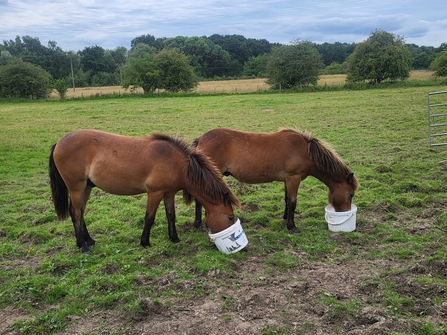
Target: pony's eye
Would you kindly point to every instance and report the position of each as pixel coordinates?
(351, 195)
(230, 218)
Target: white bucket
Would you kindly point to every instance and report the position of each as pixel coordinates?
(341, 221)
(230, 240)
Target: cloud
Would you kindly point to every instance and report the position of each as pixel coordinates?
(76, 24)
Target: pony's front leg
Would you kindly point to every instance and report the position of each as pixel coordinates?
(148, 222)
(292, 185)
(198, 216)
(170, 214)
(153, 200)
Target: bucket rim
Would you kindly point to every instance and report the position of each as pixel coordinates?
(353, 210)
(234, 226)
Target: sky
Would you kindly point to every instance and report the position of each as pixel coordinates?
(76, 24)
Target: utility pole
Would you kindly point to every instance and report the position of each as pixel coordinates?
(72, 76)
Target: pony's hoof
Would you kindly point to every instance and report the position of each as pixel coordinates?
(85, 249)
(175, 240)
(90, 242)
(294, 231)
(145, 245)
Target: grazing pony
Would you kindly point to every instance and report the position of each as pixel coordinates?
(287, 155)
(158, 165)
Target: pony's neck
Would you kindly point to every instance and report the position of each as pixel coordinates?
(205, 201)
(197, 193)
(327, 179)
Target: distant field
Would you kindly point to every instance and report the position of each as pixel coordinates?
(228, 86)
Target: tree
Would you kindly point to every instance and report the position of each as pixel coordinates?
(255, 66)
(19, 79)
(50, 58)
(217, 63)
(150, 40)
(141, 72)
(100, 66)
(382, 56)
(119, 55)
(335, 52)
(93, 59)
(240, 50)
(176, 73)
(440, 65)
(208, 59)
(442, 47)
(422, 61)
(297, 64)
(61, 87)
(168, 69)
(140, 49)
(4, 57)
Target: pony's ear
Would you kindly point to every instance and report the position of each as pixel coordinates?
(231, 199)
(350, 178)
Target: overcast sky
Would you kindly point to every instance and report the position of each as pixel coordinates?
(76, 24)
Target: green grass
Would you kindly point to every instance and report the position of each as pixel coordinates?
(381, 134)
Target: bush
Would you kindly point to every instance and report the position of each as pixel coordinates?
(440, 65)
(19, 79)
(298, 64)
(255, 67)
(176, 72)
(382, 56)
(336, 68)
(61, 87)
(168, 69)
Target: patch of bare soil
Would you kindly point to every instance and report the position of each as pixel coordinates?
(311, 298)
(9, 315)
(250, 302)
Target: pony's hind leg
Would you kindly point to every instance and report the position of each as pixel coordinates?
(198, 216)
(170, 214)
(88, 240)
(77, 216)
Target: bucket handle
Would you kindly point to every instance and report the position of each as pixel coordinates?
(211, 238)
(350, 215)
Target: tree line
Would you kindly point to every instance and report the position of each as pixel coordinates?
(156, 62)
(216, 56)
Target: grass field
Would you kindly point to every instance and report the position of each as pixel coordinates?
(388, 276)
(228, 86)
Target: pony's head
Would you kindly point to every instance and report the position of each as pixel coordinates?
(341, 194)
(211, 191)
(340, 179)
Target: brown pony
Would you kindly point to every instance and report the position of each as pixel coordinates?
(158, 165)
(287, 155)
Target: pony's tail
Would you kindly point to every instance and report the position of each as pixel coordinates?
(59, 191)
